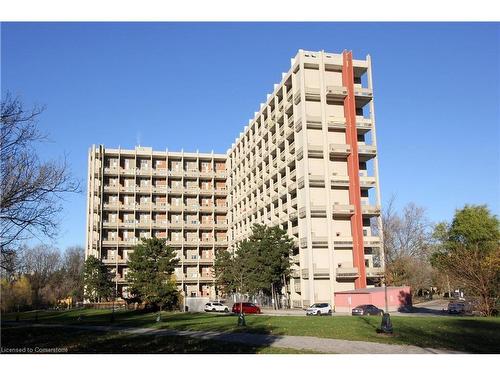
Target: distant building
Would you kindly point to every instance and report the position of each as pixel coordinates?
(307, 162)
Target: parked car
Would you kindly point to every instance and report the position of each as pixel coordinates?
(456, 307)
(367, 310)
(319, 309)
(216, 306)
(248, 308)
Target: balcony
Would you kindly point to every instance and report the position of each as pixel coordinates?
(336, 92)
(206, 225)
(176, 189)
(347, 273)
(321, 241)
(220, 208)
(191, 190)
(128, 206)
(296, 287)
(315, 151)
(160, 206)
(128, 242)
(128, 171)
(367, 182)
(159, 224)
(143, 189)
(371, 241)
(160, 172)
(144, 224)
(206, 191)
(160, 189)
(176, 172)
(110, 224)
(362, 95)
(295, 273)
(312, 93)
(363, 124)
(143, 206)
(321, 273)
(110, 206)
(302, 212)
(318, 210)
(207, 261)
(339, 149)
(111, 170)
(313, 122)
(339, 181)
(343, 210)
(316, 180)
(303, 242)
(342, 242)
(370, 211)
(176, 207)
(127, 189)
(366, 152)
(336, 123)
(114, 260)
(144, 171)
(129, 223)
(374, 272)
(111, 188)
(191, 207)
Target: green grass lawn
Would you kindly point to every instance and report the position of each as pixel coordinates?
(76, 340)
(468, 334)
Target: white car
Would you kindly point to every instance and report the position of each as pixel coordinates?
(319, 309)
(216, 306)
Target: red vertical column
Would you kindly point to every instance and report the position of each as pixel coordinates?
(353, 170)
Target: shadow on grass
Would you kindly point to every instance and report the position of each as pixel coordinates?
(81, 340)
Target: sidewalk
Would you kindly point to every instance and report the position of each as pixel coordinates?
(316, 344)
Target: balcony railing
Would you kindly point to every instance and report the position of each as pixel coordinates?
(374, 272)
(343, 209)
(336, 123)
(336, 92)
(347, 272)
(339, 180)
(369, 210)
(340, 149)
(371, 241)
(342, 242)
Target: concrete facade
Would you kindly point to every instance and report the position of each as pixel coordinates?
(307, 162)
(141, 193)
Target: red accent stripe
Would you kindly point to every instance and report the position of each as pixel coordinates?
(353, 170)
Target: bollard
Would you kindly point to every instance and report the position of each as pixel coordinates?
(241, 320)
(386, 325)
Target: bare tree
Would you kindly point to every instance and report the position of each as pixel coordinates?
(407, 234)
(31, 190)
(407, 246)
(39, 264)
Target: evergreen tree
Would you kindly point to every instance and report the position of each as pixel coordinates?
(98, 280)
(260, 263)
(150, 275)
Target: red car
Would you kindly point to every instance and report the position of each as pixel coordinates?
(248, 308)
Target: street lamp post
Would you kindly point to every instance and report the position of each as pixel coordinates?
(386, 325)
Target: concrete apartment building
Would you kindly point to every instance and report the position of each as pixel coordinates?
(141, 193)
(307, 162)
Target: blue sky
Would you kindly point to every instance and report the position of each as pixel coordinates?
(436, 87)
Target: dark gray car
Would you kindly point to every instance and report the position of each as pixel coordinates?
(367, 310)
